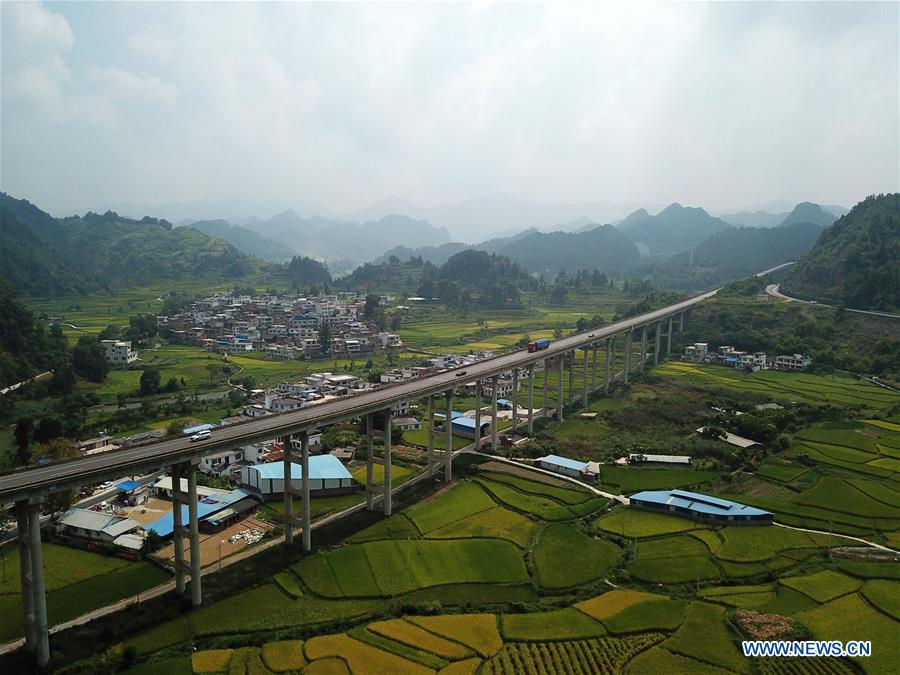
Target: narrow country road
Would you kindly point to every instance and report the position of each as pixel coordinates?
(775, 291)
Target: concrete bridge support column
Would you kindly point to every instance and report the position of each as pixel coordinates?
(546, 405)
(38, 625)
(304, 487)
(657, 331)
(387, 463)
(370, 464)
(610, 353)
(530, 399)
(669, 338)
(515, 399)
(584, 392)
(288, 493)
(495, 439)
(448, 439)
(559, 392)
(478, 414)
(643, 348)
(194, 536)
(26, 589)
(178, 499)
(571, 398)
(431, 435)
(594, 369)
(681, 322)
(628, 337)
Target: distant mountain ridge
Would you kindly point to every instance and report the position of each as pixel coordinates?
(673, 230)
(336, 240)
(245, 240)
(856, 260)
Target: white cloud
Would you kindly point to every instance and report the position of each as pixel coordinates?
(343, 104)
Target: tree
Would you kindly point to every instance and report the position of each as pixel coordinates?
(22, 433)
(395, 322)
(325, 337)
(141, 327)
(89, 359)
(48, 428)
(149, 381)
(559, 293)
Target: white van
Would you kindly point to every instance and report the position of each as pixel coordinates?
(200, 435)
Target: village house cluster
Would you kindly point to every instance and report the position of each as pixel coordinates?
(726, 355)
(284, 327)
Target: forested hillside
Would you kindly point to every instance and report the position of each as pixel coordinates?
(603, 248)
(857, 260)
(25, 346)
(673, 230)
(32, 265)
(245, 240)
(74, 254)
(736, 253)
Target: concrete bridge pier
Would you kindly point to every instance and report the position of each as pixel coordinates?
(656, 332)
(628, 338)
(584, 393)
(546, 404)
(431, 435)
(559, 392)
(610, 354)
(515, 400)
(478, 414)
(304, 487)
(448, 439)
(669, 337)
(570, 399)
(180, 498)
(387, 463)
(530, 399)
(370, 464)
(594, 368)
(495, 440)
(643, 348)
(31, 574)
(288, 493)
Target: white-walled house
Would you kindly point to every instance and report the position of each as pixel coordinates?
(118, 352)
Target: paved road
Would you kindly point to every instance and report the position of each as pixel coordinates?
(111, 465)
(774, 269)
(775, 291)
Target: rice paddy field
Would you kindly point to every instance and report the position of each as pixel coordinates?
(784, 386)
(76, 582)
(503, 541)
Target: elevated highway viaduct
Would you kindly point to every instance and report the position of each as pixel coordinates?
(30, 487)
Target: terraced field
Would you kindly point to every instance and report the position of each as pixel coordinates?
(499, 540)
(781, 386)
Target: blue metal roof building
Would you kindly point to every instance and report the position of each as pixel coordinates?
(206, 507)
(465, 426)
(326, 476)
(563, 465)
(700, 507)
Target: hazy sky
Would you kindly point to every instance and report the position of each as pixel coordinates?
(717, 105)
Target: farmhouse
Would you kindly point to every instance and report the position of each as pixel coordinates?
(566, 466)
(641, 458)
(118, 352)
(210, 508)
(738, 441)
(699, 507)
(94, 525)
(327, 476)
(793, 361)
(465, 426)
